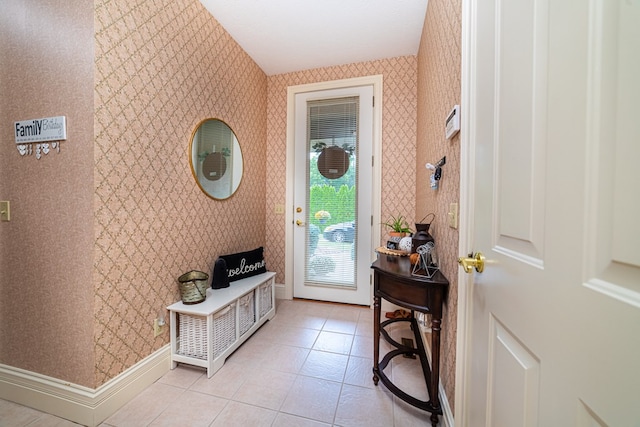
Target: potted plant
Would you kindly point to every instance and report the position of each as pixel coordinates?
(398, 225)
(322, 216)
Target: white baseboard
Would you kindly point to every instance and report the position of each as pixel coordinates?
(447, 414)
(77, 403)
(280, 291)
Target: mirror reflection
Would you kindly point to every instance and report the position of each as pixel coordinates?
(216, 159)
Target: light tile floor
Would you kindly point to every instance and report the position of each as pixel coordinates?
(309, 366)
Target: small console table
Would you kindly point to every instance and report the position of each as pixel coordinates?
(394, 282)
(205, 334)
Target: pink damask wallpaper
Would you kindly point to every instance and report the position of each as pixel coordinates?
(438, 91)
(161, 68)
(398, 140)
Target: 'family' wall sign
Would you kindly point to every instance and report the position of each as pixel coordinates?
(41, 132)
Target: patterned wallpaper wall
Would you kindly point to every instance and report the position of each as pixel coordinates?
(438, 91)
(398, 141)
(46, 295)
(160, 68)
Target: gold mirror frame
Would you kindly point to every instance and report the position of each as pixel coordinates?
(216, 159)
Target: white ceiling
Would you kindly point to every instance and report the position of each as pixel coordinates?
(292, 35)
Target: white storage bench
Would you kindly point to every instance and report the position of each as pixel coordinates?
(205, 334)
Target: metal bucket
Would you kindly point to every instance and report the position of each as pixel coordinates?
(193, 287)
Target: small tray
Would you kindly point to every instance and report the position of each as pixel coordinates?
(396, 252)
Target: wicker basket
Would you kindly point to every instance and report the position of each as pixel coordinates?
(193, 287)
(224, 329)
(247, 312)
(192, 338)
(266, 300)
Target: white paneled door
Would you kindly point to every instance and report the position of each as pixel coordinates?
(551, 138)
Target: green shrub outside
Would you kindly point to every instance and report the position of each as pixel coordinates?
(340, 203)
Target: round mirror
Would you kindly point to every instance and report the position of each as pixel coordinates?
(216, 159)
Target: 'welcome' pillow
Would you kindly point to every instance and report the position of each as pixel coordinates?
(245, 264)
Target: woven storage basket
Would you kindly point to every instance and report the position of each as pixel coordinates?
(224, 329)
(266, 302)
(193, 340)
(247, 312)
(193, 287)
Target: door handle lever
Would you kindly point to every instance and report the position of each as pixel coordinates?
(473, 261)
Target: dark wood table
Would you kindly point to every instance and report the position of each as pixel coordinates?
(394, 282)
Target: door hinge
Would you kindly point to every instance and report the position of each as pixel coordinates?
(372, 161)
(373, 101)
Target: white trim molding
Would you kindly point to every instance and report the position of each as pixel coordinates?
(281, 292)
(77, 403)
(447, 415)
(467, 172)
(377, 82)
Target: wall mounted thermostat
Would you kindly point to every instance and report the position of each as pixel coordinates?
(452, 124)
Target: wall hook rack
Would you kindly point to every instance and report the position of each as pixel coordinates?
(437, 172)
(40, 149)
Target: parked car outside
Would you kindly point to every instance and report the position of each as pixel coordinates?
(341, 232)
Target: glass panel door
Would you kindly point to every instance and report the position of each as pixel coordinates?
(333, 196)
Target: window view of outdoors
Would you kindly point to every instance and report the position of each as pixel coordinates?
(332, 177)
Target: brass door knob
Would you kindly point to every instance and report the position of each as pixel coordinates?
(473, 261)
(299, 223)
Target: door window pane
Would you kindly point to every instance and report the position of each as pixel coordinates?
(332, 142)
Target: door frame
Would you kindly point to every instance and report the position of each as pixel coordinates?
(466, 224)
(292, 91)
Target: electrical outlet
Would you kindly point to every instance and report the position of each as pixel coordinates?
(158, 327)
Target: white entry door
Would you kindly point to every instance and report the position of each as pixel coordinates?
(333, 195)
(550, 192)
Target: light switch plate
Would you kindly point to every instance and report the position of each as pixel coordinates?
(453, 215)
(5, 211)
